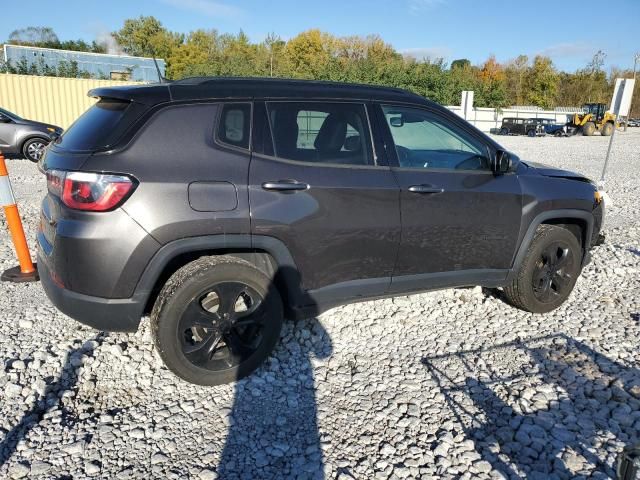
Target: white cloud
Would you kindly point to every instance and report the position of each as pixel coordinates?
(417, 6)
(208, 8)
(427, 52)
(569, 49)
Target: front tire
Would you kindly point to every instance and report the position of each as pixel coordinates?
(549, 271)
(589, 129)
(504, 131)
(531, 133)
(607, 129)
(216, 320)
(34, 148)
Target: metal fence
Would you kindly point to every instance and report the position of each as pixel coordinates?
(49, 99)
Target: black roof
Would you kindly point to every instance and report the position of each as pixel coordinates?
(241, 87)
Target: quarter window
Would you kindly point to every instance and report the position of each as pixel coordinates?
(327, 133)
(234, 126)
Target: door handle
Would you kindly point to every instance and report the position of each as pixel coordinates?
(425, 189)
(285, 185)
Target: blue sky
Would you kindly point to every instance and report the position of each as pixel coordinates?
(569, 32)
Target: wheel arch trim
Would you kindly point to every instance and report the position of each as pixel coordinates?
(543, 217)
(168, 252)
(31, 136)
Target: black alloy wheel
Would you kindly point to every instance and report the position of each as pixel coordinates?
(552, 274)
(216, 320)
(222, 326)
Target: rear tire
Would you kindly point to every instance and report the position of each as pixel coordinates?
(216, 320)
(531, 133)
(34, 148)
(588, 129)
(548, 272)
(607, 129)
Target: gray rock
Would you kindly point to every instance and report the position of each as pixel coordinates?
(206, 474)
(40, 468)
(18, 470)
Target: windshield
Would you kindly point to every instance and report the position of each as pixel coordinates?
(9, 114)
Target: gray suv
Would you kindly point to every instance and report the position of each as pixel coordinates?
(221, 206)
(27, 138)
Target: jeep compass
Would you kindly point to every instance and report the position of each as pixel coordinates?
(221, 206)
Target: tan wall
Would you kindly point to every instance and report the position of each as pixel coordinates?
(49, 99)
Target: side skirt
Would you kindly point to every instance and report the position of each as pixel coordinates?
(373, 289)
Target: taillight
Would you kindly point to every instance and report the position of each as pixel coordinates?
(95, 192)
(55, 180)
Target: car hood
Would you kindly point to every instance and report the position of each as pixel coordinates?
(41, 125)
(548, 171)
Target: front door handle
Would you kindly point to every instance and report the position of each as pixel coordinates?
(425, 189)
(285, 185)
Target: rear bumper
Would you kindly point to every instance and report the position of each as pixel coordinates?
(105, 314)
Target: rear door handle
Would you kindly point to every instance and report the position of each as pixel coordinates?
(425, 189)
(285, 185)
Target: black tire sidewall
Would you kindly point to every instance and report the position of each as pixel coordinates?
(525, 285)
(166, 320)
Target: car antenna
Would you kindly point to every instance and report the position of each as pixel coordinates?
(161, 79)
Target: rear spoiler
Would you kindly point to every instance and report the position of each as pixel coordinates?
(145, 94)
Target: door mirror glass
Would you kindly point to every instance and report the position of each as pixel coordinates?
(4, 119)
(396, 121)
(502, 163)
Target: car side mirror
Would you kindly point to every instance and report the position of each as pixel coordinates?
(396, 121)
(502, 162)
(4, 119)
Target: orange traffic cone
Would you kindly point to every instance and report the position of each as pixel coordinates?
(26, 271)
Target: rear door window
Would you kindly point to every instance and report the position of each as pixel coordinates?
(97, 127)
(319, 132)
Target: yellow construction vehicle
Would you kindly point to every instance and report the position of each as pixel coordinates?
(594, 118)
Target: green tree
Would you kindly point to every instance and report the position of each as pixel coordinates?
(200, 48)
(542, 83)
(515, 74)
(147, 37)
(275, 47)
(309, 54)
(460, 63)
(34, 36)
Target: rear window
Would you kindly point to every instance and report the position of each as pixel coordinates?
(96, 128)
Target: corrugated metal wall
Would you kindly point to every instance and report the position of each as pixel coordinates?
(48, 99)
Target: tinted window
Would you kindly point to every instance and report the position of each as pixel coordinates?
(9, 114)
(425, 140)
(234, 127)
(321, 132)
(94, 127)
(261, 134)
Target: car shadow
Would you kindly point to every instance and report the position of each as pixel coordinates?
(273, 423)
(50, 399)
(541, 414)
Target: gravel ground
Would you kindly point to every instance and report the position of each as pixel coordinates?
(446, 384)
